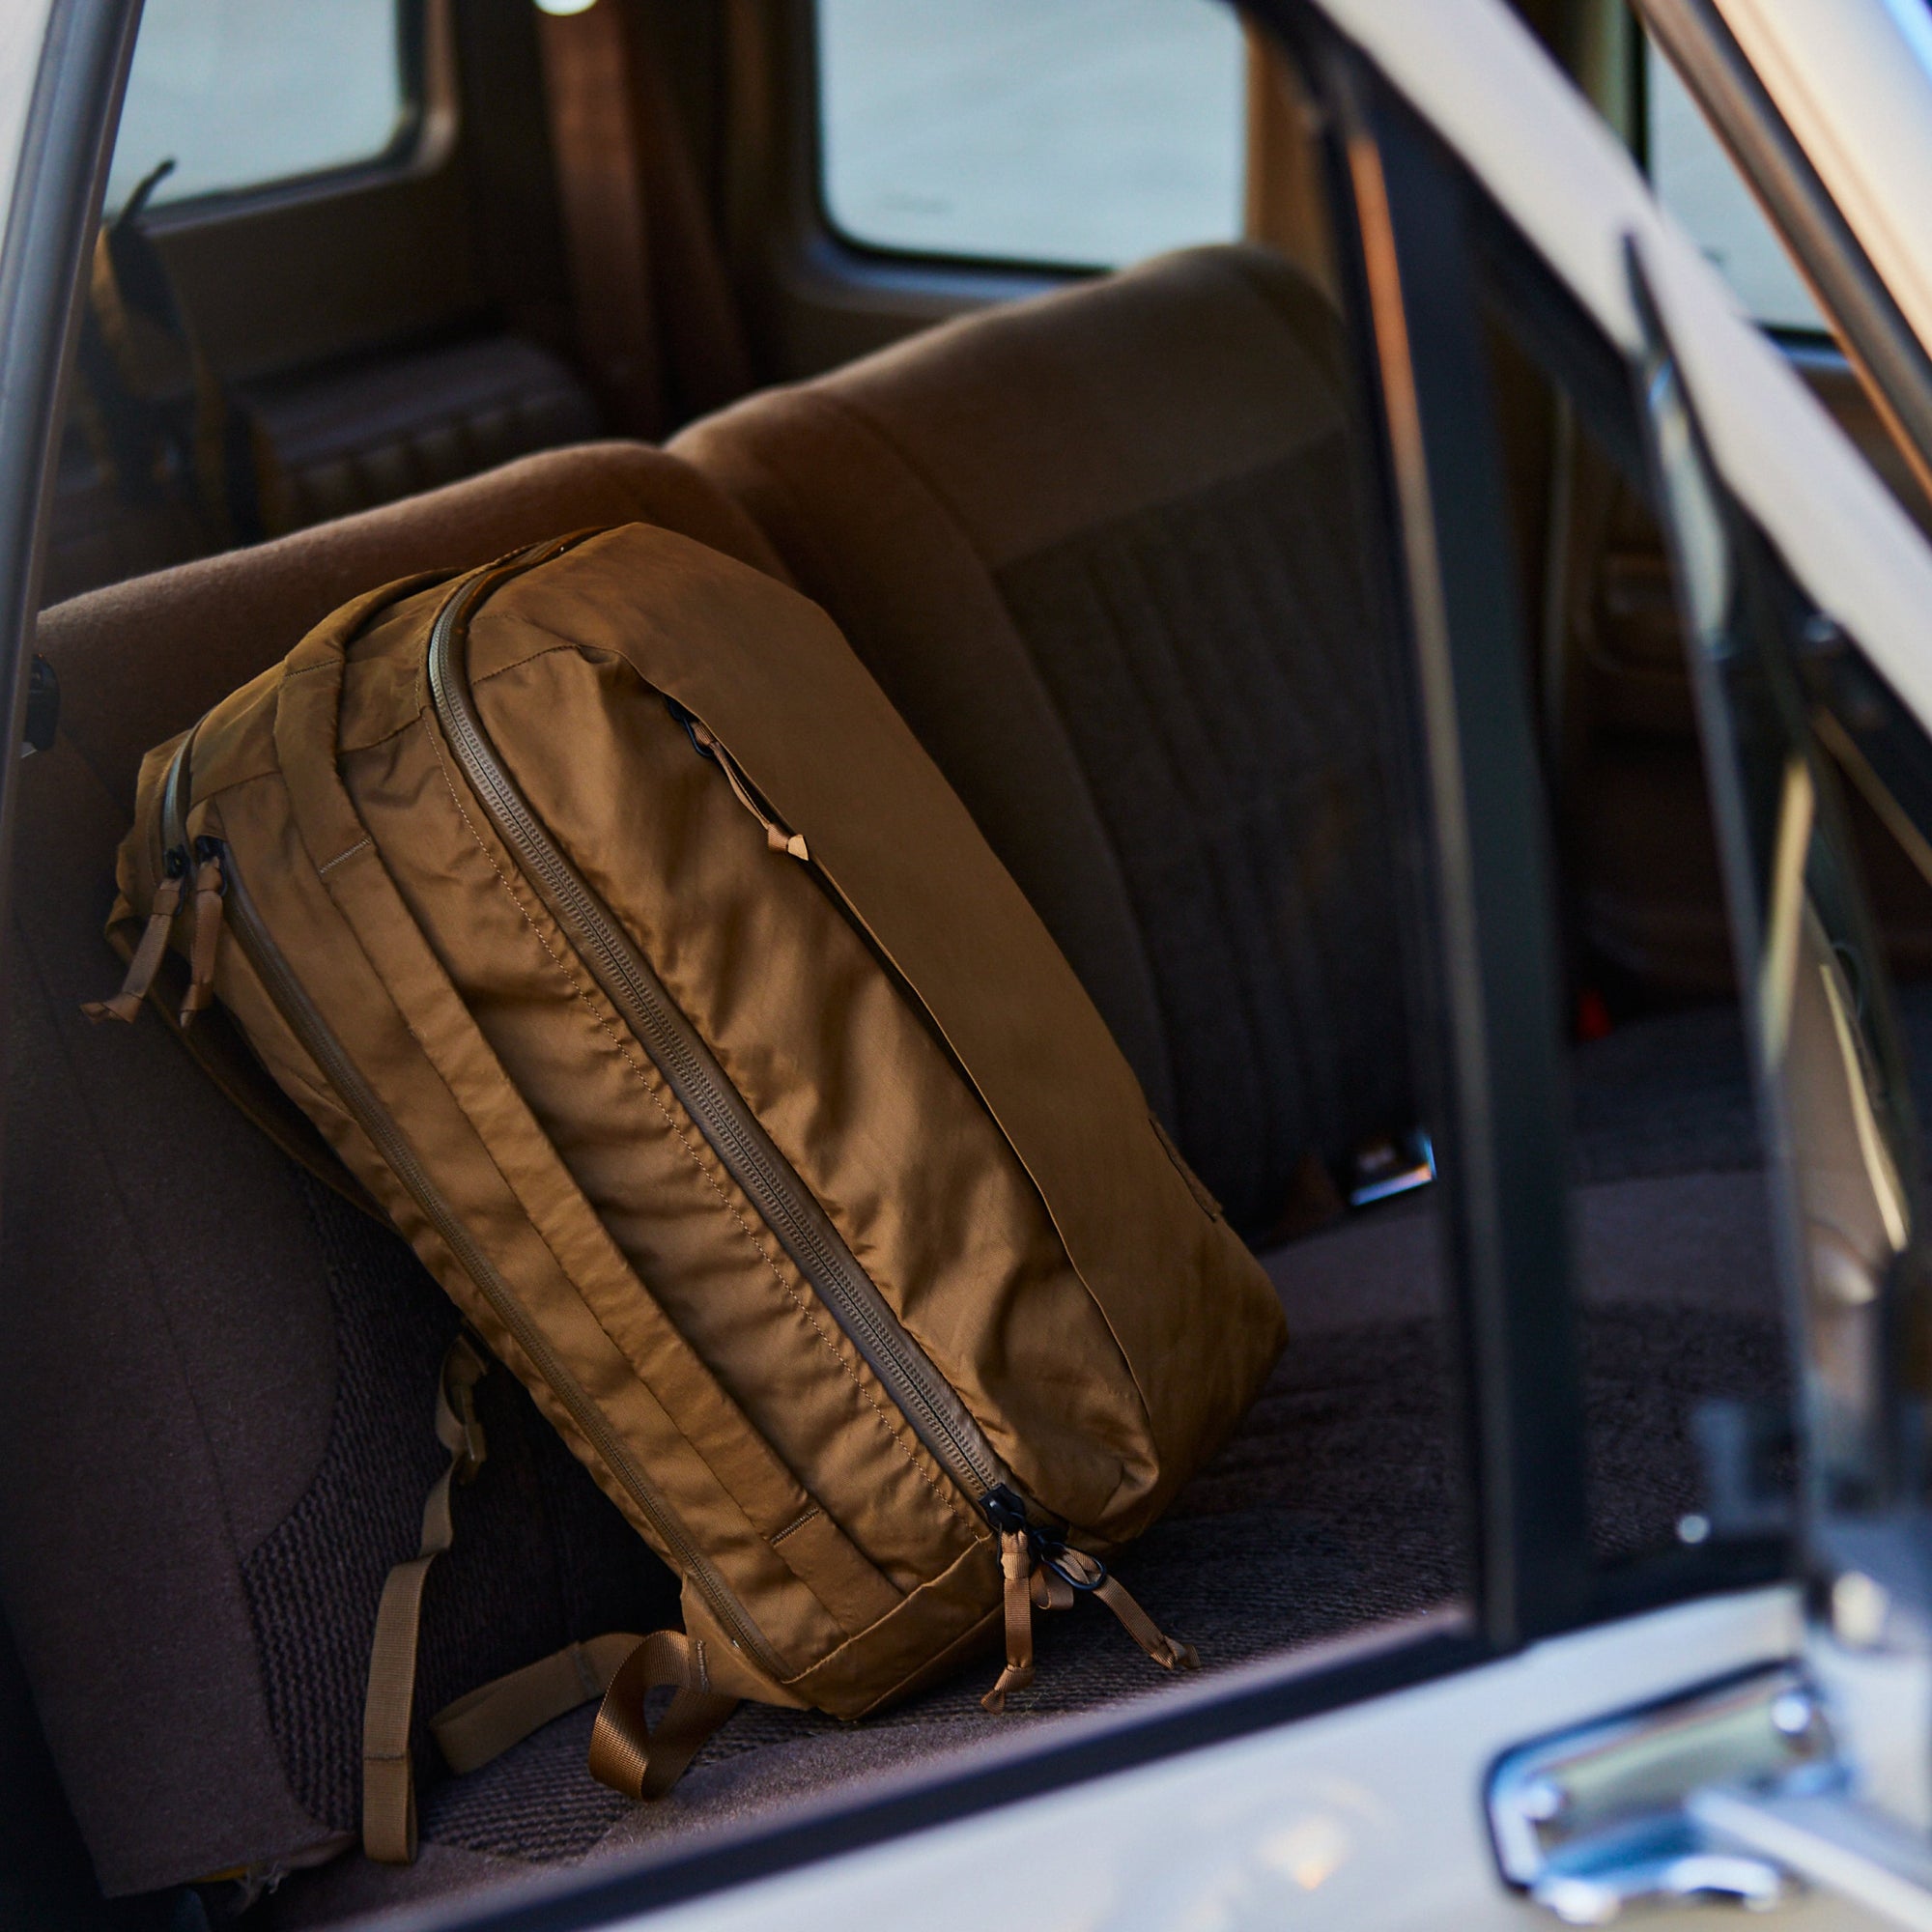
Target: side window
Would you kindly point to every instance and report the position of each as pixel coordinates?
(1695, 179)
(1048, 132)
(241, 93)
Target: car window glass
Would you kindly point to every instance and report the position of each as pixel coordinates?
(1082, 133)
(1700, 183)
(1681, 1325)
(237, 94)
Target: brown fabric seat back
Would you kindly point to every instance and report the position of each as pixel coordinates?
(216, 1421)
(141, 659)
(1099, 550)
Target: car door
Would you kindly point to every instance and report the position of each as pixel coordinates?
(1570, 1735)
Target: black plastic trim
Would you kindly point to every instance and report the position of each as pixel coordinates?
(49, 230)
(866, 255)
(1504, 1153)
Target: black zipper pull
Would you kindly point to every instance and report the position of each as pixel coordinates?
(162, 912)
(210, 892)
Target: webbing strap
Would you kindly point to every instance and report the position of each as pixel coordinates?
(1016, 1566)
(388, 1781)
(1056, 1585)
(493, 1717)
(146, 959)
(625, 1752)
(1169, 1652)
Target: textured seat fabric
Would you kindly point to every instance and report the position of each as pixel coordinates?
(216, 1419)
(1099, 550)
(376, 431)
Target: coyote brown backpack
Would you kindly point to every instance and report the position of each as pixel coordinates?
(627, 949)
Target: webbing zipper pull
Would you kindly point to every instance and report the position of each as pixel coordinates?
(778, 839)
(165, 909)
(1043, 1570)
(210, 892)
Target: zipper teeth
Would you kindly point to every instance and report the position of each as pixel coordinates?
(740, 1141)
(291, 1001)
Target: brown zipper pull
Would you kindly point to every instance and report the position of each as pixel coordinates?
(1087, 1574)
(211, 889)
(1044, 1571)
(1016, 1565)
(777, 838)
(125, 1004)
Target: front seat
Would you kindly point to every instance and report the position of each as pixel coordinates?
(1100, 550)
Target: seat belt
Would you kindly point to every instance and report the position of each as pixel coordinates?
(705, 359)
(658, 325)
(161, 421)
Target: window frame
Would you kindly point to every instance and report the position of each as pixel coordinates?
(883, 253)
(426, 133)
(1639, 46)
(1859, 310)
(827, 301)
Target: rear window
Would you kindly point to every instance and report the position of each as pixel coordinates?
(1085, 134)
(242, 93)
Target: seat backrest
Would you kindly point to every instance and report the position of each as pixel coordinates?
(1100, 551)
(216, 1378)
(139, 660)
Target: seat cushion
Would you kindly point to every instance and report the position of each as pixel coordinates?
(1099, 550)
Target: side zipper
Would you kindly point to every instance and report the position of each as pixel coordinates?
(210, 890)
(930, 1405)
(1040, 1568)
(778, 838)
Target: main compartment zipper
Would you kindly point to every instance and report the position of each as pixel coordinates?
(366, 1109)
(931, 1406)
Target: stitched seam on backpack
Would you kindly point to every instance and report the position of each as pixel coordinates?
(324, 870)
(895, 1432)
(797, 1523)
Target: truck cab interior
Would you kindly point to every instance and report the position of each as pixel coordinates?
(1087, 502)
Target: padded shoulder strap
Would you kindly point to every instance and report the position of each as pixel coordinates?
(622, 1670)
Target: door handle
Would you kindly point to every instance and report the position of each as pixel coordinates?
(1734, 1793)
